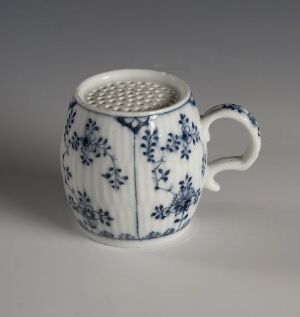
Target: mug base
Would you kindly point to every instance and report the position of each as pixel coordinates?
(156, 242)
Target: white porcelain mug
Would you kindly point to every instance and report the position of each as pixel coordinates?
(133, 173)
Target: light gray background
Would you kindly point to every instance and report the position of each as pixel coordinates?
(244, 256)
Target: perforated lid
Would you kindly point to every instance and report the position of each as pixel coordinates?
(132, 96)
(130, 91)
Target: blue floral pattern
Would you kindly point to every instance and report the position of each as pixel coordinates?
(180, 204)
(81, 204)
(128, 236)
(241, 109)
(186, 195)
(71, 114)
(70, 119)
(156, 234)
(91, 145)
(189, 136)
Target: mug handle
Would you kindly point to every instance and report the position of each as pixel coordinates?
(241, 163)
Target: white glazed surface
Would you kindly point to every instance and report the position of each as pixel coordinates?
(134, 178)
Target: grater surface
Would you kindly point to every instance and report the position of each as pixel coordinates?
(131, 96)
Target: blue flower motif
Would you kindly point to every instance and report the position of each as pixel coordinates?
(185, 197)
(181, 202)
(81, 203)
(173, 143)
(90, 145)
(189, 134)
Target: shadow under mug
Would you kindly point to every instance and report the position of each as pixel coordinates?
(135, 177)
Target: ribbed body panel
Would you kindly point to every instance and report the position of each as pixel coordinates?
(133, 178)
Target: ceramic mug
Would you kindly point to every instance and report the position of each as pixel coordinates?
(134, 176)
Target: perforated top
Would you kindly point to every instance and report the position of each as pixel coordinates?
(131, 96)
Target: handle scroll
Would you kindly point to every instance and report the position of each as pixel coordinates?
(243, 162)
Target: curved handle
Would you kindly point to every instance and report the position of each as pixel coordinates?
(243, 162)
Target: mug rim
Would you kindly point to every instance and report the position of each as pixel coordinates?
(91, 82)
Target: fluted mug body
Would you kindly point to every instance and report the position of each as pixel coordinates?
(134, 176)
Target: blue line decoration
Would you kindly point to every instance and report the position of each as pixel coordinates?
(133, 123)
(241, 109)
